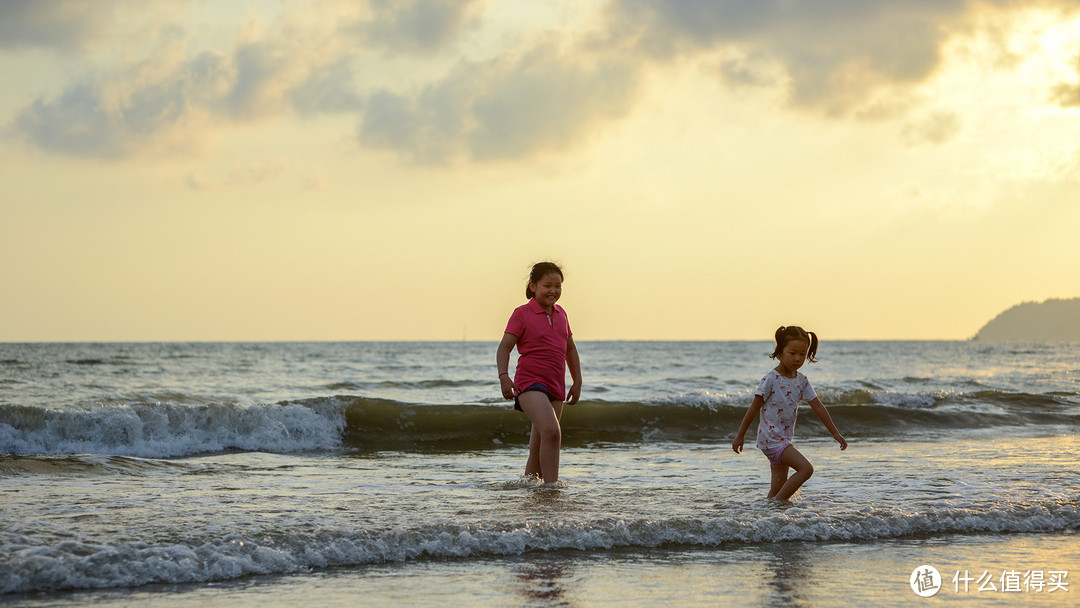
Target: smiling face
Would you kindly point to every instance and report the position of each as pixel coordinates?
(792, 356)
(548, 290)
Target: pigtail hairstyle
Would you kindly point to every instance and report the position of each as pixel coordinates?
(538, 271)
(811, 354)
(794, 332)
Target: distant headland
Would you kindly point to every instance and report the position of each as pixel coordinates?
(1054, 319)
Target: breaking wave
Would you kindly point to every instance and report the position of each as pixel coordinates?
(83, 564)
(166, 430)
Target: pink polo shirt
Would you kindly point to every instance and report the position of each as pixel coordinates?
(541, 346)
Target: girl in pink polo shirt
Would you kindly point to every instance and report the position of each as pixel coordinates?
(777, 399)
(545, 344)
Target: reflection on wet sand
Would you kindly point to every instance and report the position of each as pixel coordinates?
(792, 574)
(543, 577)
(543, 582)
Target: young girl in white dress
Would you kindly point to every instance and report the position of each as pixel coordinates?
(777, 401)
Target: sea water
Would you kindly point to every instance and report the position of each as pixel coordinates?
(389, 473)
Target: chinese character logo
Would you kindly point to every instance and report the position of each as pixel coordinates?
(925, 581)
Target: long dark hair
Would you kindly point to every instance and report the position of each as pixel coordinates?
(794, 332)
(538, 271)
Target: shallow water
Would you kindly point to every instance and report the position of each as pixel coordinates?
(194, 473)
(769, 575)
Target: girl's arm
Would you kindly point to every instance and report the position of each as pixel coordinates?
(574, 362)
(819, 409)
(751, 413)
(502, 362)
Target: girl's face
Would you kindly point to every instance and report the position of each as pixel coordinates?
(548, 290)
(793, 356)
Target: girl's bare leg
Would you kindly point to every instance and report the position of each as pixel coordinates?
(803, 470)
(532, 466)
(545, 440)
(779, 476)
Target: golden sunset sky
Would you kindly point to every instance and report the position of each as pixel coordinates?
(390, 169)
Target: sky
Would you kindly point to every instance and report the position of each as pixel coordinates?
(391, 169)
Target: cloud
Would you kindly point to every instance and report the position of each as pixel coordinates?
(1067, 94)
(837, 55)
(256, 174)
(755, 69)
(417, 26)
(195, 182)
(166, 100)
(61, 24)
(76, 123)
(258, 69)
(246, 176)
(330, 89)
(509, 108)
(555, 91)
(171, 98)
(115, 118)
(73, 25)
(936, 128)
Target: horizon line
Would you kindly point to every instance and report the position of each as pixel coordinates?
(488, 341)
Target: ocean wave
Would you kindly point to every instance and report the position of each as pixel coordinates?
(361, 424)
(83, 564)
(387, 425)
(166, 430)
(91, 464)
(420, 385)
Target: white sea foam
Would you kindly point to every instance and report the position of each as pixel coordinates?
(164, 430)
(73, 564)
(920, 399)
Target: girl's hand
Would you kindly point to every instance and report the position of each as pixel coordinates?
(574, 394)
(737, 444)
(507, 386)
(840, 439)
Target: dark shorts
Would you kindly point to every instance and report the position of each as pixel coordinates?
(535, 386)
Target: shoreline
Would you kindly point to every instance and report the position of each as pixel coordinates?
(774, 574)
